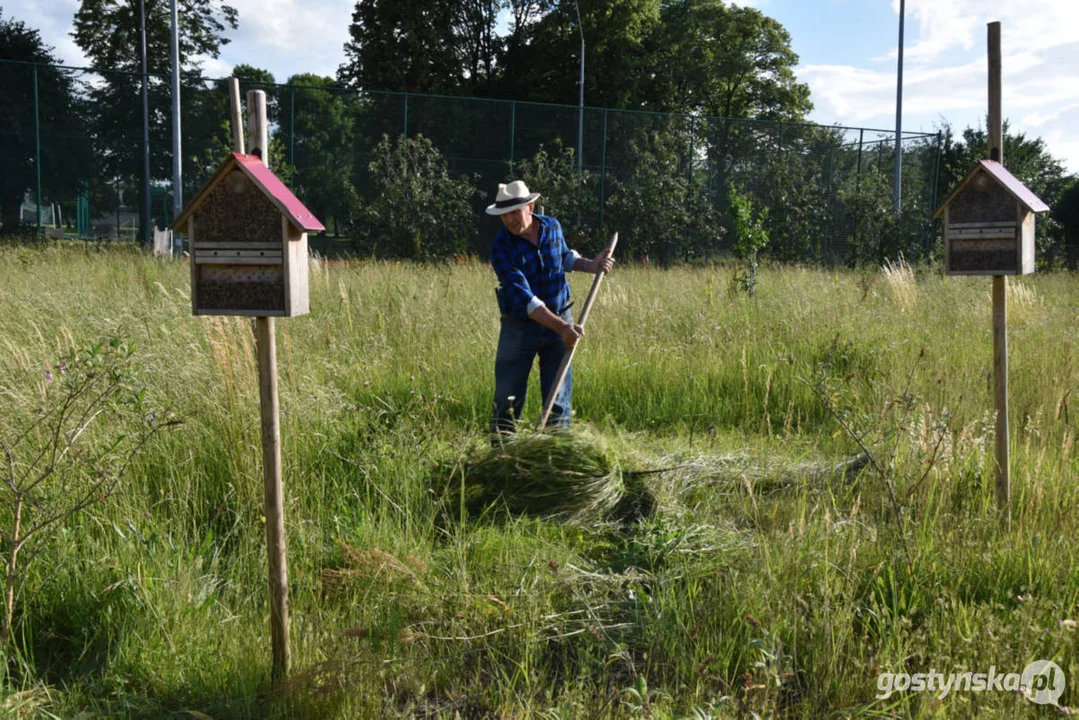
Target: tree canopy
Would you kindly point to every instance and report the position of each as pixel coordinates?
(108, 32)
(698, 56)
(402, 45)
(59, 118)
(710, 58)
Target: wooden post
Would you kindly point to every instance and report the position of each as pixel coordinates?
(548, 403)
(996, 126)
(266, 343)
(1000, 288)
(234, 115)
(257, 128)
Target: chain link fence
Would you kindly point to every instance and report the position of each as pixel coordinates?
(71, 143)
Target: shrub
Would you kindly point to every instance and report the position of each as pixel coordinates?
(65, 447)
(418, 211)
(554, 174)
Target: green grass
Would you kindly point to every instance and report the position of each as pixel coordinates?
(765, 582)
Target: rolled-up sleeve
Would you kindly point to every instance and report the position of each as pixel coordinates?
(516, 293)
(569, 257)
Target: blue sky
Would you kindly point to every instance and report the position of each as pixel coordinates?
(847, 51)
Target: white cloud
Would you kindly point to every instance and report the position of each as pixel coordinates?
(54, 20)
(215, 67)
(945, 73)
(290, 36)
(942, 26)
(283, 36)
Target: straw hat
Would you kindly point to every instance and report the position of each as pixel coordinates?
(510, 197)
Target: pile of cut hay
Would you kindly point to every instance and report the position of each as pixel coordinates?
(560, 474)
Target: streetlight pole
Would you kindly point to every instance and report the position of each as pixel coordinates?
(145, 126)
(897, 194)
(580, 112)
(177, 166)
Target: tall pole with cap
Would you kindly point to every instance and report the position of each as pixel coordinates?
(897, 190)
(1000, 287)
(266, 346)
(580, 119)
(177, 165)
(266, 342)
(145, 125)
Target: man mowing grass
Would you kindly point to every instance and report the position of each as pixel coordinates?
(531, 259)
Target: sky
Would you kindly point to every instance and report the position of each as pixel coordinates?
(847, 55)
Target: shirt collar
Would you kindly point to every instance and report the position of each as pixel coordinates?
(543, 227)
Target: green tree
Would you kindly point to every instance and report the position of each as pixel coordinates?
(479, 44)
(796, 182)
(208, 135)
(108, 32)
(321, 130)
(724, 61)
(660, 215)
(64, 159)
(554, 174)
(417, 210)
(750, 235)
(402, 45)
(875, 232)
(710, 58)
(1066, 213)
(542, 60)
(435, 46)
(65, 448)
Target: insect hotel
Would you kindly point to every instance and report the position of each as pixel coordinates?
(989, 224)
(248, 238)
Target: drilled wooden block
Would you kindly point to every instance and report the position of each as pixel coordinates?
(241, 287)
(237, 211)
(982, 201)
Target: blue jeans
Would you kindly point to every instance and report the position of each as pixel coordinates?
(519, 342)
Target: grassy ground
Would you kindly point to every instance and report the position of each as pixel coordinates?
(765, 582)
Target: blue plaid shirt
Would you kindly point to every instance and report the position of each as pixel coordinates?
(531, 275)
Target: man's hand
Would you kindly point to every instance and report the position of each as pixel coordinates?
(601, 263)
(571, 333)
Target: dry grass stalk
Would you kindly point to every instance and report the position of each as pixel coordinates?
(900, 279)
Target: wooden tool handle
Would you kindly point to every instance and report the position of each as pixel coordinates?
(563, 368)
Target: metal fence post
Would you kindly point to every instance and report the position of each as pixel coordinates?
(603, 171)
(37, 149)
(292, 133)
(858, 177)
(405, 126)
(936, 174)
(692, 136)
(831, 171)
(513, 129)
(930, 237)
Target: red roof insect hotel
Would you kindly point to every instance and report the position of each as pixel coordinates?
(248, 240)
(989, 224)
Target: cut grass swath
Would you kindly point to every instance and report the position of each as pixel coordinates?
(568, 474)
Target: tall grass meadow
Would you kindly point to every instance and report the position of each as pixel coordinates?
(765, 584)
